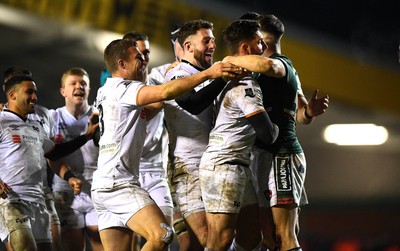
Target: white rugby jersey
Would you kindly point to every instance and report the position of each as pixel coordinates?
(188, 134)
(82, 162)
(123, 131)
(45, 118)
(152, 158)
(22, 148)
(232, 137)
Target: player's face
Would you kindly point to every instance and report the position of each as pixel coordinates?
(136, 67)
(76, 89)
(144, 48)
(269, 40)
(26, 97)
(202, 45)
(257, 45)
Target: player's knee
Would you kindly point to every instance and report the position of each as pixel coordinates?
(168, 234)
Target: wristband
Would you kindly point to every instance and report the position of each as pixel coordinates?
(306, 115)
(68, 174)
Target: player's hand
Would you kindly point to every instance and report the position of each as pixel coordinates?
(317, 106)
(92, 125)
(75, 184)
(4, 190)
(220, 69)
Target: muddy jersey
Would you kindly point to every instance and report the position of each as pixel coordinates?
(22, 147)
(188, 134)
(82, 162)
(123, 131)
(232, 137)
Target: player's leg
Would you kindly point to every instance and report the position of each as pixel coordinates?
(187, 184)
(221, 229)
(55, 225)
(248, 230)
(73, 239)
(116, 238)
(91, 221)
(268, 228)
(94, 237)
(248, 233)
(150, 223)
(285, 218)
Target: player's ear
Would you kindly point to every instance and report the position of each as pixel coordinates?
(244, 49)
(62, 92)
(187, 46)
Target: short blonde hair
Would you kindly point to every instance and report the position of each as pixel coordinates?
(73, 71)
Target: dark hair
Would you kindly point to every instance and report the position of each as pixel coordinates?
(250, 15)
(239, 31)
(135, 36)
(175, 32)
(272, 24)
(116, 50)
(15, 70)
(16, 79)
(191, 27)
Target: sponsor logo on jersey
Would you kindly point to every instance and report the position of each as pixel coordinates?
(236, 204)
(249, 92)
(59, 138)
(62, 125)
(282, 174)
(16, 139)
(35, 128)
(14, 127)
(176, 77)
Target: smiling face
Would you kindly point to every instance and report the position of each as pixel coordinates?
(22, 98)
(75, 89)
(135, 67)
(201, 46)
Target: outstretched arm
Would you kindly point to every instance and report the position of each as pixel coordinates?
(195, 102)
(254, 63)
(177, 87)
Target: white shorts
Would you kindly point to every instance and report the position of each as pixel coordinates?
(260, 166)
(23, 214)
(286, 180)
(117, 205)
(186, 185)
(226, 188)
(75, 211)
(156, 184)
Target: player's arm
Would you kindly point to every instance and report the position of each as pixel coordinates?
(195, 102)
(266, 131)
(62, 171)
(4, 189)
(63, 149)
(177, 87)
(308, 110)
(255, 63)
(153, 109)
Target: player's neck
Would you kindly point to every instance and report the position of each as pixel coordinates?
(77, 110)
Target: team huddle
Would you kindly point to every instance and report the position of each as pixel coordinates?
(204, 152)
